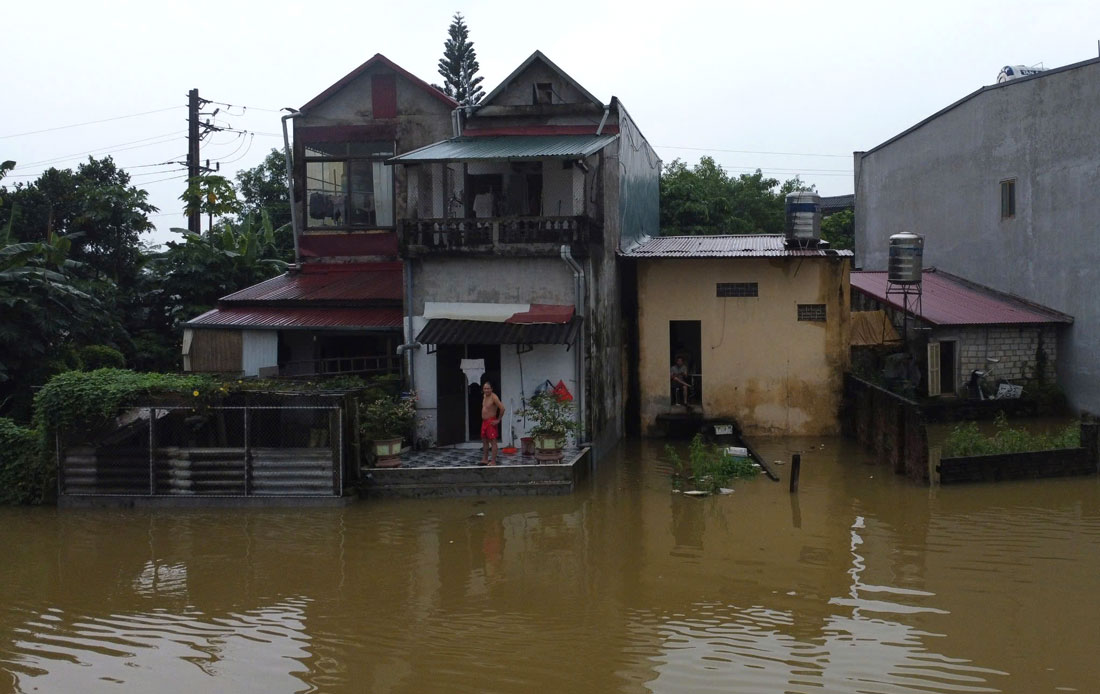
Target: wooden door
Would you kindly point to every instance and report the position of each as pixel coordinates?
(934, 373)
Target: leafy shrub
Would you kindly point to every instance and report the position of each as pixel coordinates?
(708, 467)
(552, 414)
(387, 417)
(87, 400)
(966, 440)
(101, 357)
(24, 478)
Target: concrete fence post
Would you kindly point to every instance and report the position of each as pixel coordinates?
(1090, 438)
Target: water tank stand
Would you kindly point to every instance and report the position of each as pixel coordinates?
(911, 295)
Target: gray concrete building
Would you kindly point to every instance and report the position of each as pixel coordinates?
(511, 230)
(1003, 185)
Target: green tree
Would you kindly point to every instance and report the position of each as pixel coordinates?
(95, 206)
(263, 188)
(704, 200)
(459, 65)
(839, 229)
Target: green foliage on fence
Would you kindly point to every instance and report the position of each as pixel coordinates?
(87, 400)
(23, 477)
(966, 440)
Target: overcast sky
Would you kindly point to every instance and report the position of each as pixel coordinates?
(788, 87)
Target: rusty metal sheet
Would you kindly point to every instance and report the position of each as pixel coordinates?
(272, 318)
(352, 282)
(950, 300)
(727, 246)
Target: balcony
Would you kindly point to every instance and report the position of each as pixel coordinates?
(505, 236)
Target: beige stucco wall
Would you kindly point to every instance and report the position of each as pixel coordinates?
(760, 365)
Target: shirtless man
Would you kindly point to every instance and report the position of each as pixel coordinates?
(492, 410)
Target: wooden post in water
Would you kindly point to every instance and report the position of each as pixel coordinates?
(796, 468)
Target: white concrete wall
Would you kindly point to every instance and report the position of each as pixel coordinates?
(259, 348)
(544, 362)
(562, 190)
(942, 180)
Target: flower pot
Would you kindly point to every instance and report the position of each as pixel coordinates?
(548, 448)
(527, 444)
(387, 453)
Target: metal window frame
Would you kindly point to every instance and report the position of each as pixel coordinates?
(808, 313)
(731, 290)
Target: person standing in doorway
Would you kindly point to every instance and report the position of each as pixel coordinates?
(492, 411)
(679, 377)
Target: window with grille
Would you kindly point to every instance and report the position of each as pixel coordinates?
(726, 289)
(811, 312)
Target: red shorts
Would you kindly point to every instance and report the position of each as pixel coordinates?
(489, 430)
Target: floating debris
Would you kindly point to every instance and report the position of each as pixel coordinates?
(723, 490)
(696, 492)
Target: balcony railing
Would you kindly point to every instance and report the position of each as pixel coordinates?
(500, 235)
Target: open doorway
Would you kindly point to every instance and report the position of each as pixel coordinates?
(947, 367)
(491, 355)
(684, 342)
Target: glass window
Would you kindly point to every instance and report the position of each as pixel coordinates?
(348, 184)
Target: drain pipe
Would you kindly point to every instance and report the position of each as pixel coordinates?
(578, 289)
(290, 183)
(412, 344)
(606, 111)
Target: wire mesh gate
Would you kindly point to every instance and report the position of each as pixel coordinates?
(214, 451)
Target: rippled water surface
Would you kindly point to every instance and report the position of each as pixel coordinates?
(860, 583)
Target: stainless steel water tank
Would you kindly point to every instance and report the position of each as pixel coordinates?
(803, 209)
(906, 257)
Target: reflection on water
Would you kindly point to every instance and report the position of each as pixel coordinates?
(860, 583)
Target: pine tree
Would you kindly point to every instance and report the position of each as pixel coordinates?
(458, 66)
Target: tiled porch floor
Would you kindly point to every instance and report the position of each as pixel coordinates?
(466, 456)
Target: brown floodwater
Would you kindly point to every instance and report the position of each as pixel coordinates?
(862, 582)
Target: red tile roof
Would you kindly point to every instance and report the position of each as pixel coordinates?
(729, 246)
(327, 283)
(950, 300)
(300, 318)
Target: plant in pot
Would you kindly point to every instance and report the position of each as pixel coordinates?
(553, 417)
(385, 422)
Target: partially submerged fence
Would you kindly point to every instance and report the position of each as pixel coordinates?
(215, 451)
(894, 428)
(888, 425)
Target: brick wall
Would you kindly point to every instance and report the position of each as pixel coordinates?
(1015, 346)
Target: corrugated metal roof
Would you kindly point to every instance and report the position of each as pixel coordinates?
(443, 331)
(950, 300)
(728, 246)
(508, 148)
(359, 282)
(299, 318)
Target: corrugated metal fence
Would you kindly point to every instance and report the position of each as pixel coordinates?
(216, 451)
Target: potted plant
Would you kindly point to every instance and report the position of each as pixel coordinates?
(385, 422)
(553, 417)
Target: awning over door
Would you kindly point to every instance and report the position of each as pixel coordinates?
(508, 148)
(445, 331)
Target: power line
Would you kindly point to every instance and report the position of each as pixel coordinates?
(751, 151)
(121, 147)
(91, 122)
(159, 180)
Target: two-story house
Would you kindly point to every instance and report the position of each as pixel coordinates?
(338, 310)
(511, 230)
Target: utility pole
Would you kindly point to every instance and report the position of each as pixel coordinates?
(195, 132)
(194, 219)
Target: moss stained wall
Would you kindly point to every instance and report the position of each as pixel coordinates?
(760, 365)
